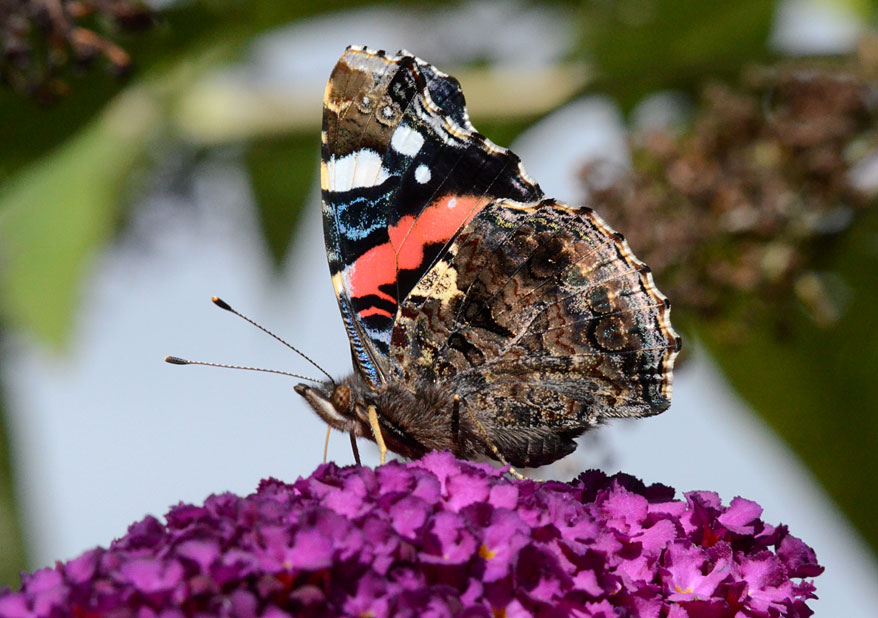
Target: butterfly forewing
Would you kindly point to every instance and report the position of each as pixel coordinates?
(403, 171)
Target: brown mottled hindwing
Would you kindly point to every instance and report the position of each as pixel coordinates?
(540, 318)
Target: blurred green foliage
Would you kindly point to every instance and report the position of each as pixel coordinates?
(12, 556)
(59, 212)
(282, 172)
(640, 46)
(64, 182)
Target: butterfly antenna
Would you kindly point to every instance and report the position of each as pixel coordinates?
(219, 302)
(176, 360)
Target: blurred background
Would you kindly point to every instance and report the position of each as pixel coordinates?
(153, 155)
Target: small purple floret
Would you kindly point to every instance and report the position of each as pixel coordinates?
(438, 537)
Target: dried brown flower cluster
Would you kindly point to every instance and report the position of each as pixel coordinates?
(733, 214)
(42, 40)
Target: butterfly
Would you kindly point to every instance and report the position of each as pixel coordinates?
(484, 318)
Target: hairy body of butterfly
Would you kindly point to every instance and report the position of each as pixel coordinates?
(483, 318)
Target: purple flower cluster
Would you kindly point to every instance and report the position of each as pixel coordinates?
(437, 537)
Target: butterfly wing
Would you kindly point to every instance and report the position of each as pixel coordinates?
(544, 323)
(402, 171)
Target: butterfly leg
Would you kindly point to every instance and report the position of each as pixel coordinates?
(354, 448)
(326, 444)
(376, 431)
(455, 418)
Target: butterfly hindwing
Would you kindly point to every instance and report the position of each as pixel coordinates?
(542, 321)
(402, 171)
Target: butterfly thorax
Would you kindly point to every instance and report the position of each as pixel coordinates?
(413, 422)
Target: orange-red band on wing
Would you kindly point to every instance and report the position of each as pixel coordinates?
(365, 313)
(437, 223)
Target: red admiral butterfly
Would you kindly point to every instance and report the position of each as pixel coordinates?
(483, 317)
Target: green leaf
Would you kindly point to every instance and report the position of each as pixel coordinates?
(817, 387)
(14, 559)
(643, 45)
(56, 215)
(864, 9)
(282, 172)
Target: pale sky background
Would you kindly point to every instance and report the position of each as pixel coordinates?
(110, 433)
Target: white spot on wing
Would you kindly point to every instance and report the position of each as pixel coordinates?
(361, 168)
(406, 140)
(422, 174)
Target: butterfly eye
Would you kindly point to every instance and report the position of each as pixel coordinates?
(341, 398)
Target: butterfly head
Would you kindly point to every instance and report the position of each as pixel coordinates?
(334, 403)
